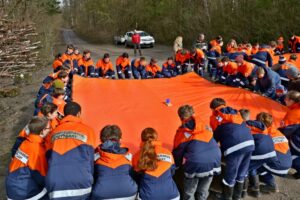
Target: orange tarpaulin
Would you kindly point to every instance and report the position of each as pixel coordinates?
(137, 104)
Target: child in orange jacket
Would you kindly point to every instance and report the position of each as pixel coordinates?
(28, 167)
(153, 70)
(105, 67)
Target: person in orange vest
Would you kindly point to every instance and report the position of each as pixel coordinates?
(294, 44)
(153, 70)
(182, 58)
(68, 56)
(197, 56)
(138, 67)
(77, 55)
(58, 99)
(46, 88)
(105, 67)
(57, 63)
(86, 65)
(212, 54)
(279, 50)
(169, 68)
(71, 157)
(263, 55)
(228, 74)
(113, 167)
(28, 167)
(283, 164)
(50, 111)
(154, 166)
(246, 73)
(231, 47)
(123, 66)
(236, 143)
(64, 77)
(191, 140)
(290, 127)
(255, 48)
(264, 153)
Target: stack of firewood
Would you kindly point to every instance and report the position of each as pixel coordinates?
(19, 50)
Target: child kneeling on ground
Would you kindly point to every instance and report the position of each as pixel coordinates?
(154, 166)
(113, 168)
(191, 141)
(28, 167)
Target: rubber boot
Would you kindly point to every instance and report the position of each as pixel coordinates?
(238, 190)
(226, 193)
(254, 185)
(245, 188)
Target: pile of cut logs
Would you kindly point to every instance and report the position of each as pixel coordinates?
(19, 50)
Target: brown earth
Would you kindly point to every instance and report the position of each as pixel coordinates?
(15, 112)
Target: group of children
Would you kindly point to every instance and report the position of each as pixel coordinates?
(241, 65)
(56, 158)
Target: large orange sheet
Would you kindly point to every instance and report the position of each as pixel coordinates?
(137, 104)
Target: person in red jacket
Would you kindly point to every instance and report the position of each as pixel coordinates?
(71, 157)
(279, 50)
(105, 67)
(136, 40)
(28, 167)
(86, 65)
(294, 44)
(123, 66)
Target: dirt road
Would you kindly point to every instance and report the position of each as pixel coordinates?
(159, 52)
(15, 112)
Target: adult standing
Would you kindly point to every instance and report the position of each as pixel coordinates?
(136, 40)
(178, 44)
(200, 43)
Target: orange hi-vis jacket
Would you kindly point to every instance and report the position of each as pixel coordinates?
(213, 43)
(157, 184)
(281, 143)
(60, 105)
(27, 170)
(77, 57)
(293, 44)
(254, 50)
(189, 143)
(113, 169)
(85, 63)
(153, 69)
(104, 66)
(71, 159)
(230, 49)
(69, 57)
(231, 68)
(292, 117)
(246, 68)
(181, 58)
(123, 62)
(216, 114)
(57, 63)
(284, 158)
